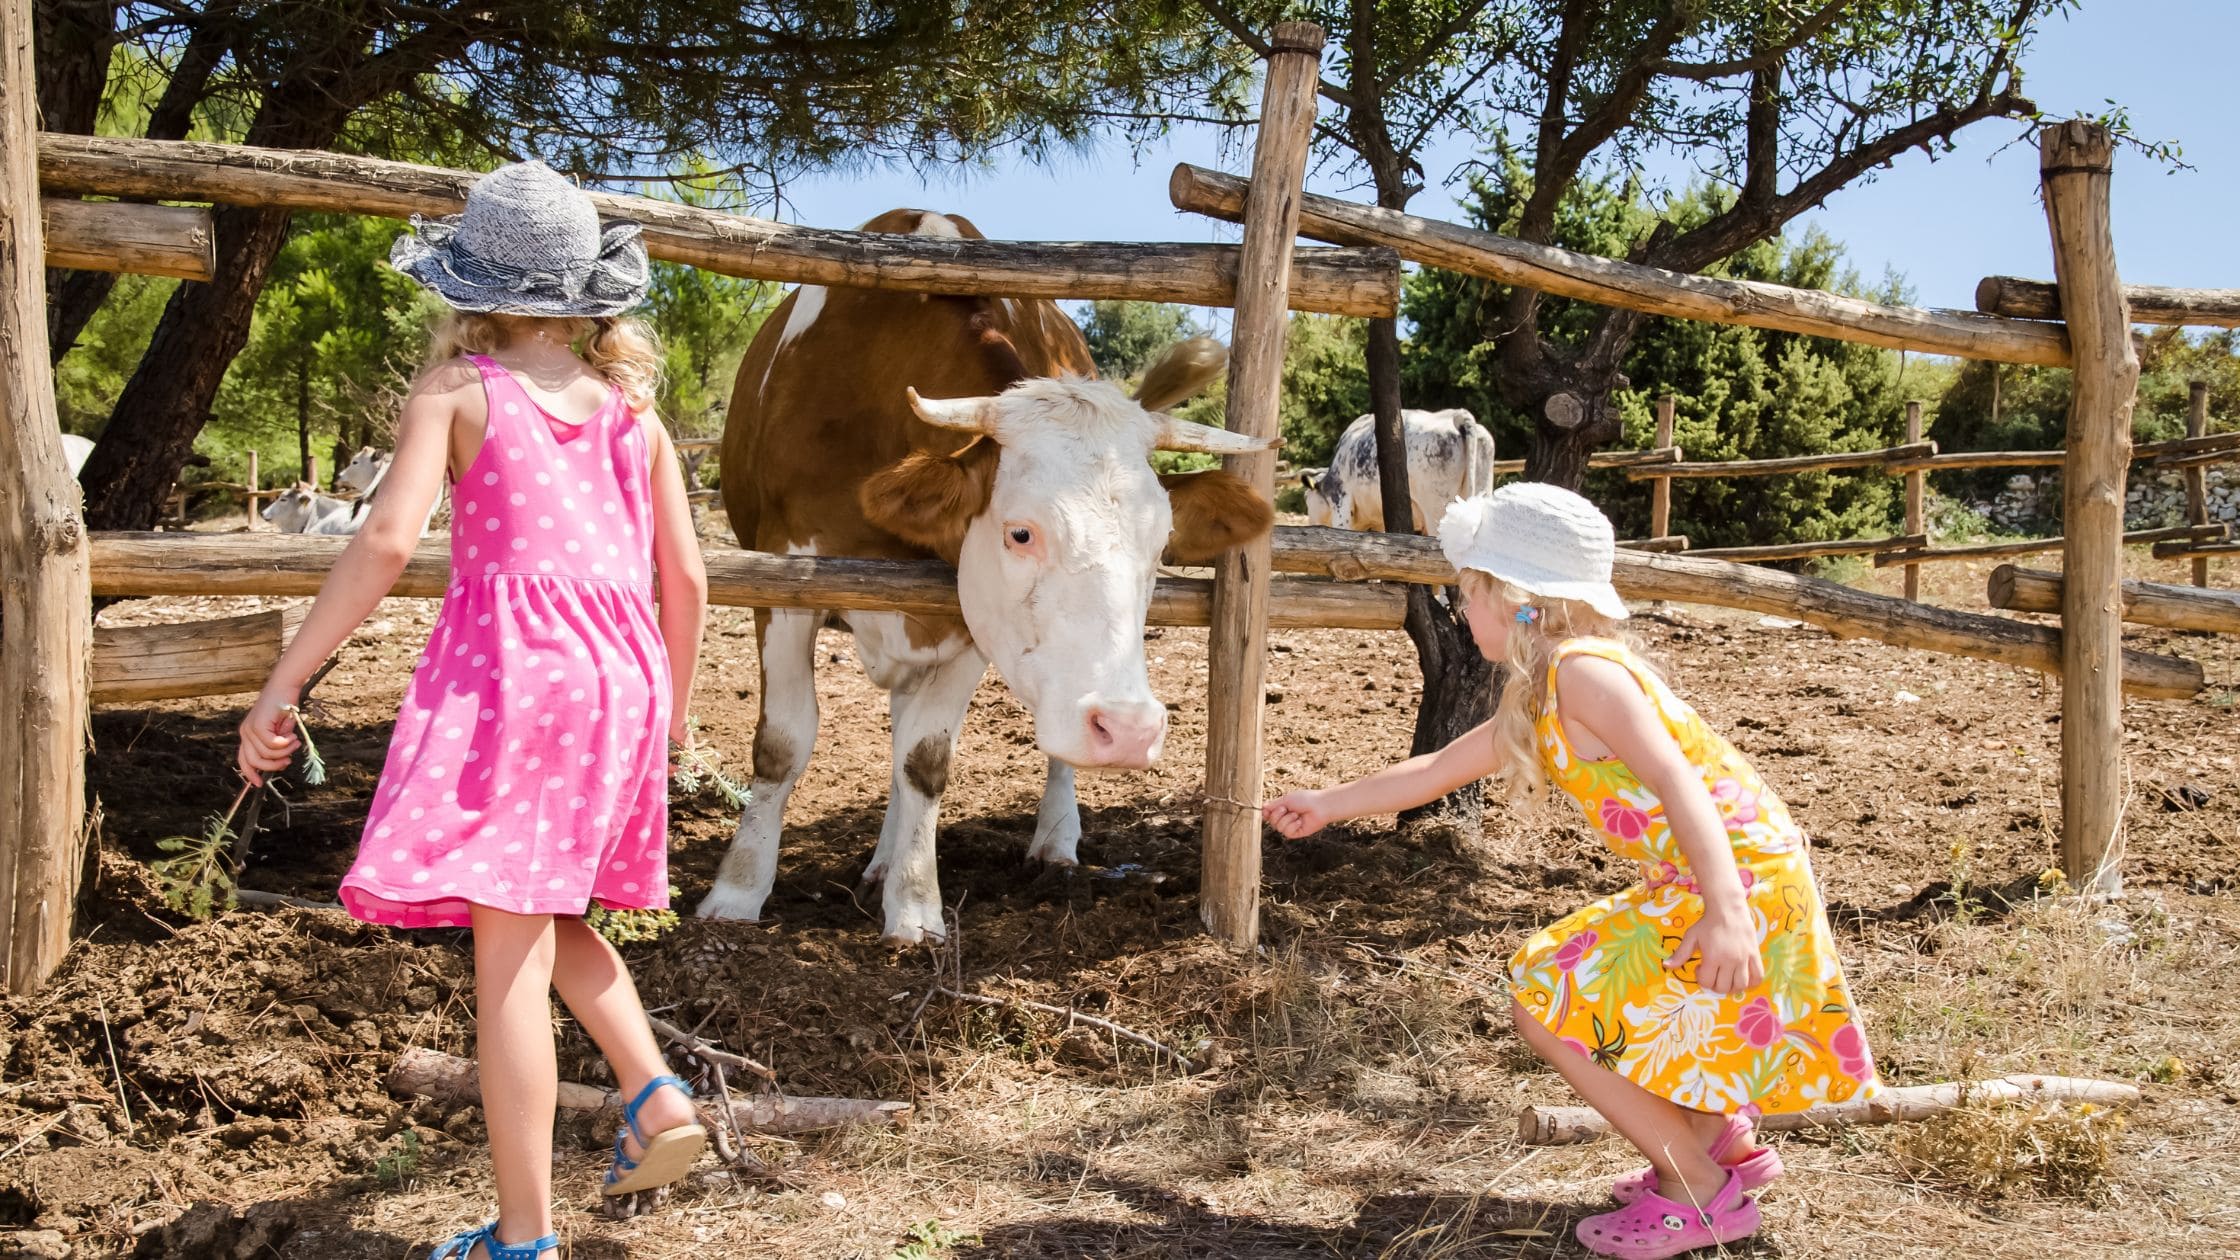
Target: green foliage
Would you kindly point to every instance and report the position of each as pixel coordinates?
(1124, 337)
(932, 1240)
(393, 1166)
(631, 927)
(1325, 384)
(1741, 393)
(198, 877)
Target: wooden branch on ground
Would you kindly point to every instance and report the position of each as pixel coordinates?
(131, 564)
(707, 1051)
(2016, 298)
(2187, 534)
(1559, 1126)
(1189, 1066)
(1690, 579)
(451, 1079)
(1341, 282)
(1884, 459)
(1808, 550)
(127, 236)
(216, 657)
(1635, 287)
(2146, 603)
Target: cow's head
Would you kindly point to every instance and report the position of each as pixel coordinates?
(1319, 507)
(1057, 524)
(292, 509)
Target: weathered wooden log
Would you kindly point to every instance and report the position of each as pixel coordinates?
(2214, 448)
(2198, 550)
(2016, 298)
(134, 564)
(217, 657)
(46, 616)
(1663, 542)
(1917, 501)
(447, 1078)
(1238, 616)
(1660, 489)
(2075, 162)
(1905, 1104)
(1808, 550)
(1978, 459)
(1690, 579)
(2144, 603)
(1635, 287)
(128, 236)
(1664, 453)
(2196, 474)
(2184, 534)
(129, 564)
(1350, 282)
(1913, 451)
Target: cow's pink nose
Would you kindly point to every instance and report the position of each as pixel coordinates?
(1126, 735)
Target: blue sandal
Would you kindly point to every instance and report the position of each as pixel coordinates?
(461, 1246)
(662, 1158)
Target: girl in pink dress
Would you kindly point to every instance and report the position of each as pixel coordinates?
(528, 774)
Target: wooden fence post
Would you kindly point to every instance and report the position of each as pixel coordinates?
(1660, 489)
(2075, 162)
(46, 630)
(249, 515)
(1917, 495)
(1229, 887)
(2197, 475)
(311, 470)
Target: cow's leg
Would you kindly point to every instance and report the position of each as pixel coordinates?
(1057, 825)
(784, 734)
(926, 713)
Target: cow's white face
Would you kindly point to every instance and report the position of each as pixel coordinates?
(1316, 485)
(293, 510)
(1055, 575)
(363, 470)
(1058, 533)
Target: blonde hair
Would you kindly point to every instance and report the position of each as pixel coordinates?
(1531, 647)
(621, 349)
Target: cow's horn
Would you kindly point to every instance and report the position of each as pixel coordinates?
(1184, 435)
(971, 415)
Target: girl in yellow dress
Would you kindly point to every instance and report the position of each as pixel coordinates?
(1703, 996)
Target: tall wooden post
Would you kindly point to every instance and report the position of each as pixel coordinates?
(2197, 475)
(311, 470)
(2074, 165)
(249, 498)
(1917, 495)
(1660, 489)
(46, 628)
(1229, 888)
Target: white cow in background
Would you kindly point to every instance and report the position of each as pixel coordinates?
(75, 449)
(303, 510)
(1450, 456)
(364, 474)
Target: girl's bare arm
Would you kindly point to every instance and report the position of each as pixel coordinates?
(683, 578)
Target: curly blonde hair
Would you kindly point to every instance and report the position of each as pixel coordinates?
(621, 349)
(1532, 646)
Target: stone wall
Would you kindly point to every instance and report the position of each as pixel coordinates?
(2153, 499)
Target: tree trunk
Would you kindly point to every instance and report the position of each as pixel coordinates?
(74, 41)
(1457, 679)
(303, 417)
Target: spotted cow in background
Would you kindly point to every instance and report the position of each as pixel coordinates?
(1450, 456)
(907, 426)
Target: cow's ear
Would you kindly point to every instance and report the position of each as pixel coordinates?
(1213, 512)
(929, 500)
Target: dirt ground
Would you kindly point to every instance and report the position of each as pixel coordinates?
(215, 1089)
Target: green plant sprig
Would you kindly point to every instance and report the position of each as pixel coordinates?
(199, 878)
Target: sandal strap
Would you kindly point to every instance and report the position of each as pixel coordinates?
(462, 1244)
(630, 1109)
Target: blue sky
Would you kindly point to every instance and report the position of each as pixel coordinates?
(1942, 224)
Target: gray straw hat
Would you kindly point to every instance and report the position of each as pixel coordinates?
(529, 243)
(1539, 538)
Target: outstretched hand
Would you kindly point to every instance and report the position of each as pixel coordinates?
(1298, 814)
(268, 737)
(1729, 953)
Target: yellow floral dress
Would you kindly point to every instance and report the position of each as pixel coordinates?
(1597, 979)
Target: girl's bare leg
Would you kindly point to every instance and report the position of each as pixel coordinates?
(513, 959)
(597, 988)
(1672, 1137)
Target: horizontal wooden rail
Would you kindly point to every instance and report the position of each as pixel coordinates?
(2147, 603)
(1666, 542)
(1723, 584)
(1606, 459)
(1789, 463)
(1341, 282)
(1808, 550)
(2033, 546)
(2221, 547)
(134, 564)
(1978, 459)
(147, 240)
(2017, 298)
(1610, 282)
(218, 657)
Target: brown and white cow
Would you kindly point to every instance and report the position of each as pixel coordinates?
(902, 426)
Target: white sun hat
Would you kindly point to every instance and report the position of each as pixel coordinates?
(1538, 538)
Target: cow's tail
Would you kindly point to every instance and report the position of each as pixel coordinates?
(1187, 367)
(1477, 454)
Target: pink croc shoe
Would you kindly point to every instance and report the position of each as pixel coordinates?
(1653, 1227)
(1757, 1168)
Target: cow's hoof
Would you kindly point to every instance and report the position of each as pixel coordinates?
(912, 937)
(1057, 846)
(726, 902)
(909, 926)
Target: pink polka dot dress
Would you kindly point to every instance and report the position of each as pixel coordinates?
(529, 769)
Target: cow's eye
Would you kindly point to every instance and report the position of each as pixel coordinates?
(1019, 535)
